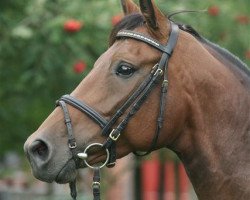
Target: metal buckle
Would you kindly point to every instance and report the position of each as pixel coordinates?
(73, 145)
(67, 121)
(113, 136)
(154, 67)
(96, 183)
(165, 82)
(111, 164)
(158, 71)
(86, 155)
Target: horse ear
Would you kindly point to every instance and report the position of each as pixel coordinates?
(155, 19)
(129, 7)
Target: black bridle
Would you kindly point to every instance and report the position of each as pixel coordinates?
(133, 103)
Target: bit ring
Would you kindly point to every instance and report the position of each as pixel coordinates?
(85, 153)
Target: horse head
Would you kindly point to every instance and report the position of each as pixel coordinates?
(114, 77)
(132, 101)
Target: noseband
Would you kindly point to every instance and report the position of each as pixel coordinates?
(133, 103)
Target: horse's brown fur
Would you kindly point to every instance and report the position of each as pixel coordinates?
(207, 120)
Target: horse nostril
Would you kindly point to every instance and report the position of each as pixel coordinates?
(39, 149)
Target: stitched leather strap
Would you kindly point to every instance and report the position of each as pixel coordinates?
(135, 107)
(135, 101)
(84, 108)
(96, 185)
(168, 49)
(67, 120)
(94, 115)
(163, 65)
(127, 104)
(146, 39)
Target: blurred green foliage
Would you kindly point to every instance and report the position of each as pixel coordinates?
(37, 55)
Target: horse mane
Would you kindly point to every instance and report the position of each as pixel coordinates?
(135, 20)
(220, 50)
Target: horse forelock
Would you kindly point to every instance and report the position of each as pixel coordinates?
(129, 22)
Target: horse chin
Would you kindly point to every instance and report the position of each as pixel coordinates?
(67, 174)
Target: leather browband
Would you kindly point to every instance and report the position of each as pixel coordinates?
(152, 42)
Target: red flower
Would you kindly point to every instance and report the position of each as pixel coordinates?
(79, 67)
(116, 19)
(213, 10)
(72, 25)
(247, 54)
(243, 19)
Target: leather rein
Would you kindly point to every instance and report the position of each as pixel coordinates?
(133, 103)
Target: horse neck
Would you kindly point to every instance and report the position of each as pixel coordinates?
(215, 142)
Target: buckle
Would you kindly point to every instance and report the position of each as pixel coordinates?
(154, 68)
(110, 165)
(67, 121)
(72, 145)
(158, 71)
(114, 135)
(96, 184)
(165, 83)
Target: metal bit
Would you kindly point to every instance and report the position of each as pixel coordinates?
(82, 156)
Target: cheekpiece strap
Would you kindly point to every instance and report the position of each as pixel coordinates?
(67, 120)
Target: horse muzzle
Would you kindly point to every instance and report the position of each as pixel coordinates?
(47, 163)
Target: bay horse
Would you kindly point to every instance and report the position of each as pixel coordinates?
(198, 106)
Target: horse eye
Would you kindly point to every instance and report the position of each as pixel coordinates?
(125, 71)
